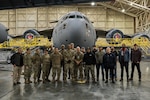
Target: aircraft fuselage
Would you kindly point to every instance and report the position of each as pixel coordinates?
(74, 28)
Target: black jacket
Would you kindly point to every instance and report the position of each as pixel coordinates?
(17, 59)
(136, 56)
(89, 58)
(109, 60)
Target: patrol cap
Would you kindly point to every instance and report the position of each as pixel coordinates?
(62, 45)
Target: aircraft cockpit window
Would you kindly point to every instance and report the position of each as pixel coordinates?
(72, 16)
(86, 19)
(78, 16)
(65, 18)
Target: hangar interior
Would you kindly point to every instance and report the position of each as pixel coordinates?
(130, 16)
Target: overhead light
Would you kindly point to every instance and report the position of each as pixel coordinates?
(92, 3)
(123, 10)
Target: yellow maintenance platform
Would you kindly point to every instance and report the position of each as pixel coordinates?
(144, 43)
(26, 43)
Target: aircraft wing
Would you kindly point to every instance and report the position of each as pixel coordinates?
(101, 33)
(46, 33)
(110, 33)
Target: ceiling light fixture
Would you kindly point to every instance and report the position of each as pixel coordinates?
(123, 10)
(92, 3)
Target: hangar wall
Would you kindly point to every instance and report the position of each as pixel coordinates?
(20, 20)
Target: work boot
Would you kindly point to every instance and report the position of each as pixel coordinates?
(29, 80)
(58, 80)
(26, 81)
(35, 81)
(131, 79)
(113, 81)
(121, 80)
(47, 80)
(106, 81)
(14, 84)
(39, 80)
(18, 82)
(97, 79)
(53, 80)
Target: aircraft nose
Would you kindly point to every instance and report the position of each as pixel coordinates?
(77, 33)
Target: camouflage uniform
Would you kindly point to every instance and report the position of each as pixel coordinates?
(69, 63)
(27, 67)
(45, 67)
(36, 66)
(63, 54)
(56, 65)
(78, 65)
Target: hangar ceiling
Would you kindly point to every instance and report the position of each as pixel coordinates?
(140, 9)
(13, 4)
(136, 8)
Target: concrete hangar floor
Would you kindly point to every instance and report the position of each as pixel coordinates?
(72, 91)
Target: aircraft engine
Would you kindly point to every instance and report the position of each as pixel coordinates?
(141, 36)
(144, 37)
(114, 36)
(3, 33)
(30, 34)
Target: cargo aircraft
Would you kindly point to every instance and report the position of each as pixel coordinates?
(73, 27)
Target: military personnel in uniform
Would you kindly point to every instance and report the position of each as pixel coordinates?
(69, 63)
(46, 65)
(78, 64)
(62, 51)
(36, 59)
(50, 51)
(56, 58)
(83, 63)
(27, 66)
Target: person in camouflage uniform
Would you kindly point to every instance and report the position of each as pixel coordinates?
(36, 59)
(78, 64)
(62, 51)
(50, 51)
(56, 58)
(69, 63)
(46, 65)
(27, 66)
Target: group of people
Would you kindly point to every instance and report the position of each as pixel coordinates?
(76, 63)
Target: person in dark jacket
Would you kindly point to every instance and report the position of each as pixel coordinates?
(115, 68)
(109, 63)
(124, 61)
(17, 61)
(90, 62)
(94, 49)
(136, 58)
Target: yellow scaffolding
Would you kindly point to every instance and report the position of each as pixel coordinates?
(144, 43)
(26, 43)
